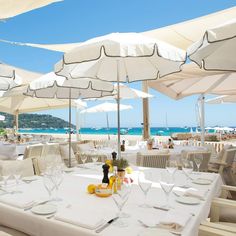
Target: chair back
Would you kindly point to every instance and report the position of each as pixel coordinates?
(206, 155)
(152, 159)
(229, 155)
(33, 151)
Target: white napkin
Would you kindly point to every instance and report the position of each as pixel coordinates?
(81, 217)
(18, 200)
(200, 194)
(191, 192)
(175, 220)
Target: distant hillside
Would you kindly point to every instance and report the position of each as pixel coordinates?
(34, 121)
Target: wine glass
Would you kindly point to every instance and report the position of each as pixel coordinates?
(187, 167)
(83, 157)
(167, 185)
(171, 166)
(5, 178)
(17, 176)
(57, 178)
(48, 184)
(120, 196)
(145, 184)
(198, 158)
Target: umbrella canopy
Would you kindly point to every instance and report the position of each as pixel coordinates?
(216, 50)
(222, 99)
(192, 80)
(8, 78)
(50, 86)
(129, 56)
(15, 102)
(126, 93)
(106, 107)
(11, 8)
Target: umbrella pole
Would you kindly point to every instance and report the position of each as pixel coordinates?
(77, 124)
(108, 128)
(70, 127)
(118, 110)
(202, 101)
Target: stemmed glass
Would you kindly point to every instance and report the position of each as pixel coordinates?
(167, 185)
(57, 178)
(171, 166)
(83, 157)
(17, 175)
(198, 158)
(187, 167)
(48, 183)
(120, 196)
(145, 184)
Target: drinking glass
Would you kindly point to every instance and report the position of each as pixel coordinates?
(187, 167)
(198, 158)
(57, 178)
(48, 184)
(167, 185)
(120, 196)
(17, 177)
(145, 184)
(5, 178)
(171, 166)
(83, 157)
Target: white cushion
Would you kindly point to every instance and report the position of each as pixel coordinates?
(84, 147)
(8, 152)
(9, 167)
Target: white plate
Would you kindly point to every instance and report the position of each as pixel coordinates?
(188, 200)
(151, 232)
(30, 178)
(44, 209)
(202, 181)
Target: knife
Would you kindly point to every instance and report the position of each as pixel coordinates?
(161, 208)
(106, 225)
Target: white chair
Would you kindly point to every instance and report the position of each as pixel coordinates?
(152, 159)
(205, 160)
(33, 151)
(224, 166)
(64, 151)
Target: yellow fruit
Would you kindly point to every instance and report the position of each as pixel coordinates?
(108, 162)
(91, 188)
(129, 170)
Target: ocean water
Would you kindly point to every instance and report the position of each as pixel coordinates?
(162, 131)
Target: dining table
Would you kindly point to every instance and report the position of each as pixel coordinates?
(76, 209)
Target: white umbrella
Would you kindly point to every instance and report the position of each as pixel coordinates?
(121, 57)
(216, 50)
(191, 81)
(106, 107)
(8, 78)
(2, 118)
(53, 86)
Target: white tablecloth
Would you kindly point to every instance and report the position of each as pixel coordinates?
(73, 192)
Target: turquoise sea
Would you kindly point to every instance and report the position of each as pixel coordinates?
(163, 131)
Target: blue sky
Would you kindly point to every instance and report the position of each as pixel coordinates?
(79, 20)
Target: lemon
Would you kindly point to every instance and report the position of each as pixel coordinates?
(129, 170)
(91, 188)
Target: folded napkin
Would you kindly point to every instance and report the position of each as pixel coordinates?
(175, 220)
(18, 200)
(200, 194)
(84, 218)
(191, 192)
